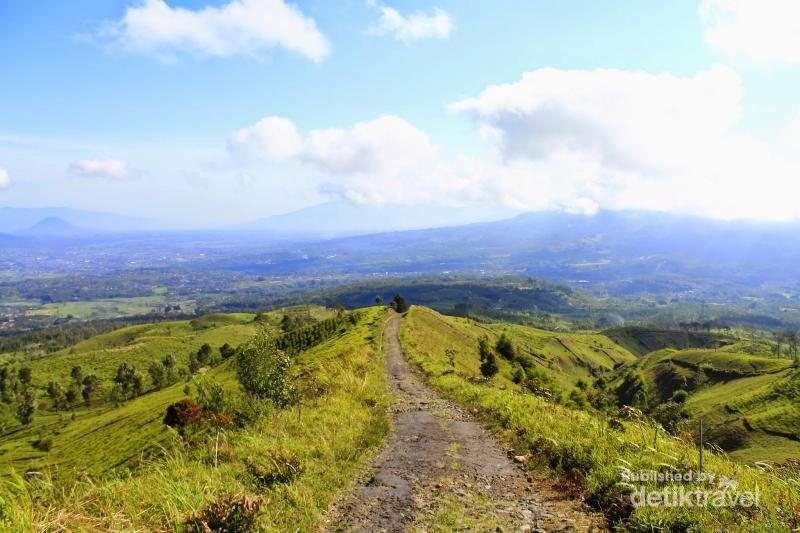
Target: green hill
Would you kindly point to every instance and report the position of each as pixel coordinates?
(641, 340)
(748, 403)
(589, 448)
(119, 467)
(114, 435)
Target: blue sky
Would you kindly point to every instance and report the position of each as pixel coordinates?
(204, 113)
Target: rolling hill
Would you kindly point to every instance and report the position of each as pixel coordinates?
(133, 472)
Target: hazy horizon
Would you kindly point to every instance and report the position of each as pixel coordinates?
(216, 113)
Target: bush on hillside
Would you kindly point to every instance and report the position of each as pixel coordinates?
(183, 415)
(680, 396)
(399, 304)
(505, 348)
(228, 514)
(263, 370)
(489, 366)
(276, 466)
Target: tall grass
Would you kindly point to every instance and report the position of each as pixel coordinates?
(329, 437)
(586, 448)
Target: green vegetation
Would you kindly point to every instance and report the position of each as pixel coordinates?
(262, 419)
(747, 398)
(586, 445)
(128, 377)
(236, 459)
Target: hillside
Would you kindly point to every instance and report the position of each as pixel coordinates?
(594, 450)
(746, 398)
(115, 433)
(302, 452)
(298, 457)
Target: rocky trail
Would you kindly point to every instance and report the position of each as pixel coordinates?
(441, 470)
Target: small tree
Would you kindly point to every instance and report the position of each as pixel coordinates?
(226, 351)
(128, 383)
(25, 375)
(56, 393)
(26, 406)
(505, 348)
(76, 373)
(90, 385)
(204, 353)
(483, 348)
(215, 402)
(489, 366)
(378, 299)
(399, 304)
(194, 363)
(158, 374)
(73, 394)
(262, 370)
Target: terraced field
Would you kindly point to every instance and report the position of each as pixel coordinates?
(116, 435)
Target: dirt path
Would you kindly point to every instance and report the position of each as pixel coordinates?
(439, 463)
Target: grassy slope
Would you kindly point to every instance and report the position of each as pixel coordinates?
(110, 435)
(567, 357)
(330, 437)
(735, 394)
(583, 446)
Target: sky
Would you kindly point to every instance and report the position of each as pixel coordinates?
(211, 113)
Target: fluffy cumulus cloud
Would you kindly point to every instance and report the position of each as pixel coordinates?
(576, 140)
(386, 159)
(5, 180)
(757, 31)
(238, 27)
(408, 28)
(109, 169)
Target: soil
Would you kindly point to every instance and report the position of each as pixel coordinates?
(437, 452)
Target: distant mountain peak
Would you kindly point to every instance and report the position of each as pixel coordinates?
(54, 226)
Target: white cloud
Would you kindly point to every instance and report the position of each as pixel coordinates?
(413, 27)
(386, 146)
(238, 27)
(110, 169)
(757, 31)
(5, 180)
(270, 137)
(379, 161)
(573, 139)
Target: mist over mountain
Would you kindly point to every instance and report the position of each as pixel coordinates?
(54, 226)
(21, 220)
(339, 219)
(624, 247)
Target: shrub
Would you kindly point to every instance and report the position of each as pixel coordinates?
(44, 444)
(26, 406)
(226, 351)
(262, 370)
(183, 414)
(399, 304)
(228, 514)
(671, 416)
(518, 374)
(505, 348)
(489, 366)
(680, 396)
(276, 467)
